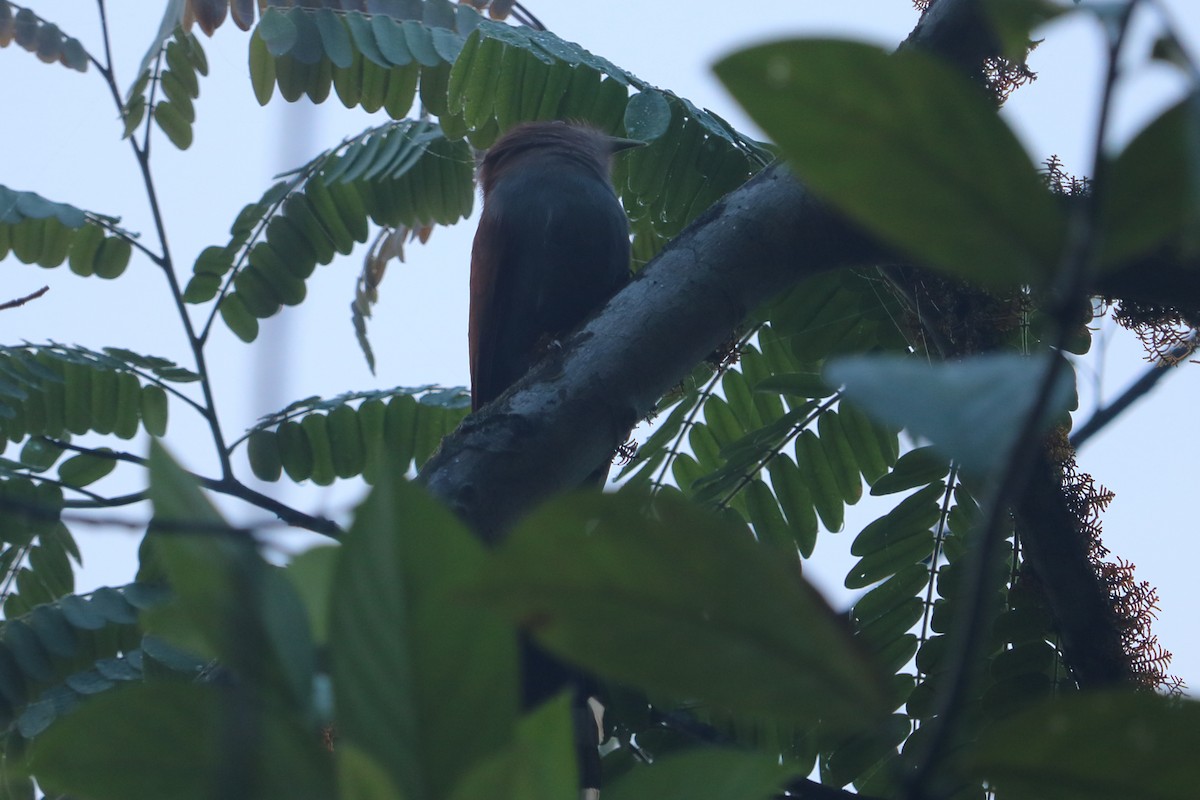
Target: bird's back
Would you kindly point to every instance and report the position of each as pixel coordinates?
(552, 247)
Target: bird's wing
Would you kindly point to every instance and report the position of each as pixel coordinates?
(538, 274)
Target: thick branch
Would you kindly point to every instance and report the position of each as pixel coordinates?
(1057, 552)
(570, 412)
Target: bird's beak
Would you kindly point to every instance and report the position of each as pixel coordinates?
(617, 144)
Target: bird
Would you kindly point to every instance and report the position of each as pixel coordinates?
(551, 248)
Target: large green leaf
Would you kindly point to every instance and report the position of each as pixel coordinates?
(183, 741)
(539, 764)
(971, 410)
(909, 149)
(1153, 191)
(424, 683)
(702, 775)
(244, 611)
(676, 601)
(1109, 746)
(360, 777)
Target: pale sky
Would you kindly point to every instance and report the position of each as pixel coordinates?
(60, 137)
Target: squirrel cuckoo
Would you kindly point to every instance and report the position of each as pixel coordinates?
(551, 248)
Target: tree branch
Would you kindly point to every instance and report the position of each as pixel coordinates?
(1056, 550)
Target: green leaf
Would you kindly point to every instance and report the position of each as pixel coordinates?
(262, 450)
(87, 468)
(174, 123)
(648, 116)
(311, 574)
(817, 474)
(840, 456)
(1107, 746)
(748, 634)
(425, 684)
(917, 467)
(797, 384)
(702, 775)
(112, 257)
(335, 39)
(890, 560)
(915, 513)
(364, 39)
(262, 68)
(766, 516)
(278, 31)
(16, 206)
(238, 318)
(362, 778)
(244, 610)
(538, 765)
(891, 593)
(971, 410)
(40, 454)
(27, 651)
(154, 409)
(389, 36)
(1153, 191)
(856, 755)
(909, 149)
(174, 740)
(796, 502)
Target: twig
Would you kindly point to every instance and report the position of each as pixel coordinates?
(526, 17)
(227, 486)
(20, 301)
(1136, 391)
(165, 262)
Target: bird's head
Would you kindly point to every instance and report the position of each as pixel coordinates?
(551, 144)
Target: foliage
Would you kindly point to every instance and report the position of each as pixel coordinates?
(385, 667)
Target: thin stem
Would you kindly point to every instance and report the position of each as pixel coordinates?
(262, 224)
(792, 433)
(287, 514)
(111, 455)
(939, 539)
(142, 155)
(690, 422)
(526, 17)
(92, 496)
(108, 502)
(1137, 390)
(225, 485)
(20, 301)
(108, 59)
